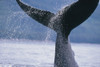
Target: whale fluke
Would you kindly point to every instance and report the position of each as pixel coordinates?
(63, 22)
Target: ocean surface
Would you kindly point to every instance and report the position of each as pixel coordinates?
(26, 53)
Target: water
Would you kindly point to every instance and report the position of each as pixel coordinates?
(25, 53)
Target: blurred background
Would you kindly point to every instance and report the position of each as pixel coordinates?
(15, 24)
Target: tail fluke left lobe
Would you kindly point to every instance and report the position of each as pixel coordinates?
(41, 16)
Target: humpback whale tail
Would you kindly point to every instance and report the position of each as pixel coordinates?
(67, 19)
(63, 22)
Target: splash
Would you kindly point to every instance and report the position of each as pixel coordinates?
(16, 24)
